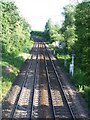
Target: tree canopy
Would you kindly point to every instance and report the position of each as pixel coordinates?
(75, 31)
(52, 32)
(82, 46)
(15, 29)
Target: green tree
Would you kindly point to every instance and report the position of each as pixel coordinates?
(48, 28)
(82, 46)
(69, 26)
(15, 30)
(52, 32)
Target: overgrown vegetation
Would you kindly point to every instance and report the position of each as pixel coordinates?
(16, 40)
(75, 34)
(10, 67)
(52, 32)
(37, 33)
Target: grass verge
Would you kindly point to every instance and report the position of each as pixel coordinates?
(79, 79)
(11, 65)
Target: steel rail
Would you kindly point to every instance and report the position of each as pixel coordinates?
(60, 84)
(49, 85)
(32, 97)
(22, 85)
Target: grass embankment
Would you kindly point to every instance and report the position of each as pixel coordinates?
(11, 65)
(79, 79)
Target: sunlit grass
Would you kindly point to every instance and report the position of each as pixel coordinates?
(79, 79)
(63, 57)
(25, 55)
(5, 87)
(14, 62)
(7, 78)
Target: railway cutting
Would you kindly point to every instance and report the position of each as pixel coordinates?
(42, 91)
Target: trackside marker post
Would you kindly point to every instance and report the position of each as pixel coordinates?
(71, 69)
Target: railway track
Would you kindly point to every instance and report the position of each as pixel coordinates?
(60, 104)
(57, 101)
(22, 107)
(41, 94)
(41, 101)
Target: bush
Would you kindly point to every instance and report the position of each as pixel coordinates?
(79, 78)
(87, 94)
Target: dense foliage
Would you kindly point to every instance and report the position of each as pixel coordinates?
(15, 42)
(52, 32)
(82, 46)
(37, 33)
(15, 30)
(69, 26)
(76, 32)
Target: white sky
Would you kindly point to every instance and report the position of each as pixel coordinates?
(37, 12)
